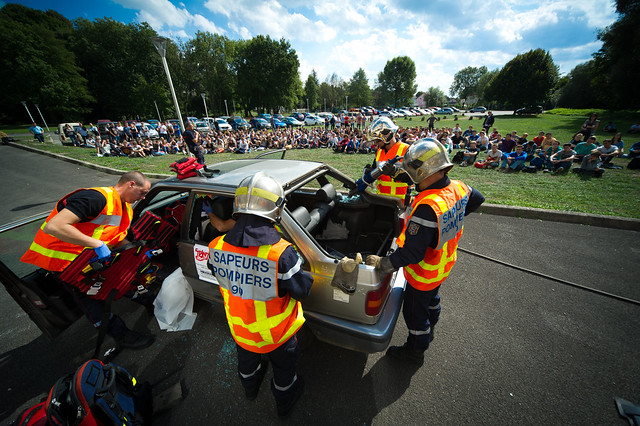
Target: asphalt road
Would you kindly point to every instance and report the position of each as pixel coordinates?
(511, 347)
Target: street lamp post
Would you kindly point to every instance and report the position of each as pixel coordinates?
(45, 123)
(308, 105)
(226, 108)
(161, 46)
(346, 102)
(27, 108)
(157, 110)
(206, 113)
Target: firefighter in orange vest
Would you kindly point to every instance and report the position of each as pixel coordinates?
(391, 181)
(261, 281)
(96, 218)
(428, 243)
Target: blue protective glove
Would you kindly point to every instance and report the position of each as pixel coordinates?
(364, 181)
(102, 252)
(206, 205)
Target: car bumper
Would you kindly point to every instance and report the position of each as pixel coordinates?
(359, 337)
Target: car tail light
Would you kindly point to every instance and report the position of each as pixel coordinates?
(375, 299)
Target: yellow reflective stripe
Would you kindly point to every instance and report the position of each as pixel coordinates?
(219, 244)
(262, 324)
(392, 184)
(439, 201)
(241, 190)
(54, 254)
(263, 251)
(265, 194)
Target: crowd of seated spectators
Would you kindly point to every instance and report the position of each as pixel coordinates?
(484, 148)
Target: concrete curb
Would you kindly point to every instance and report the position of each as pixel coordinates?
(615, 222)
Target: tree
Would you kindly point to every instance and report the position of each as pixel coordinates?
(332, 91)
(465, 82)
(311, 90)
(358, 89)
(122, 67)
(578, 90)
(526, 79)
(618, 60)
(483, 82)
(37, 66)
(268, 74)
(210, 56)
(397, 80)
(434, 97)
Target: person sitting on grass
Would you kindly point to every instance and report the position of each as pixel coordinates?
(492, 160)
(577, 138)
(617, 141)
(561, 160)
(589, 165)
(470, 154)
(583, 149)
(513, 161)
(635, 128)
(608, 152)
(507, 144)
(547, 165)
(538, 139)
(547, 141)
(530, 148)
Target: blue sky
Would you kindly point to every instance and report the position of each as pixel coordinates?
(332, 36)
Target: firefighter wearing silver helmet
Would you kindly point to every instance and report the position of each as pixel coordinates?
(428, 243)
(262, 282)
(388, 177)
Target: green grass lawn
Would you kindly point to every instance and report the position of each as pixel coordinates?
(616, 194)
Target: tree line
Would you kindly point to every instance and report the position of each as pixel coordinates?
(84, 70)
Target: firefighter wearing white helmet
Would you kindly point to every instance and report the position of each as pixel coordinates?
(428, 243)
(262, 282)
(390, 179)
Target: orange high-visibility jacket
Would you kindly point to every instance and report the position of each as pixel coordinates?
(110, 226)
(385, 184)
(259, 320)
(449, 204)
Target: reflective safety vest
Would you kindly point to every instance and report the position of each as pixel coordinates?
(385, 184)
(449, 205)
(258, 318)
(110, 226)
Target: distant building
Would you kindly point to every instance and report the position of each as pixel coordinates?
(419, 101)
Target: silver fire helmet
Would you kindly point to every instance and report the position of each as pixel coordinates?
(259, 195)
(381, 129)
(424, 158)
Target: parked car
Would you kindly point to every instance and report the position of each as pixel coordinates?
(298, 116)
(325, 115)
(531, 109)
(477, 109)
(240, 123)
(361, 320)
(153, 133)
(313, 120)
(201, 126)
(279, 123)
(292, 122)
(223, 126)
(265, 116)
(444, 111)
(262, 123)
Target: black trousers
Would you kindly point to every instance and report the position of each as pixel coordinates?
(283, 361)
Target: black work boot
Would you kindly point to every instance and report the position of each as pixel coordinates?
(285, 404)
(405, 353)
(252, 392)
(130, 339)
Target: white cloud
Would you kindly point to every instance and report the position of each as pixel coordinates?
(271, 18)
(162, 15)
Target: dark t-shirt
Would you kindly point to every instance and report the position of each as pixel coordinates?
(188, 138)
(86, 204)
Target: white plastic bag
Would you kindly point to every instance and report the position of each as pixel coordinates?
(173, 307)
